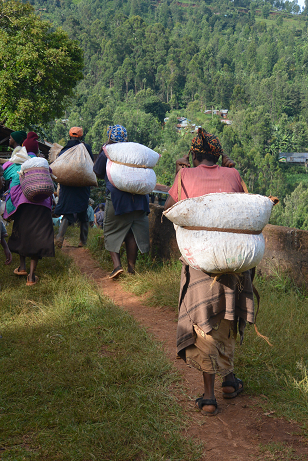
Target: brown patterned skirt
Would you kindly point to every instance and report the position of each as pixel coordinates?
(205, 300)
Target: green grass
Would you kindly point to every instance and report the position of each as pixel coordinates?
(290, 22)
(278, 372)
(80, 380)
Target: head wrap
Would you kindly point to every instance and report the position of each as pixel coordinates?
(206, 143)
(19, 136)
(117, 133)
(76, 132)
(31, 143)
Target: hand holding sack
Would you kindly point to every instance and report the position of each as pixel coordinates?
(130, 167)
(75, 167)
(35, 180)
(221, 232)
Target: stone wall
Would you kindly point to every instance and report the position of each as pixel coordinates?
(286, 249)
(162, 235)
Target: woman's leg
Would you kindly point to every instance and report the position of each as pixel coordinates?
(131, 251)
(208, 381)
(116, 264)
(33, 264)
(22, 263)
(115, 259)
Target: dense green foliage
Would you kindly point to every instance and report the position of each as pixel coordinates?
(39, 67)
(144, 58)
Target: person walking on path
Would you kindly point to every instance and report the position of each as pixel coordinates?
(32, 234)
(211, 311)
(73, 200)
(126, 214)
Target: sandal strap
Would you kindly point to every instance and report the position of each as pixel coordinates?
(201, 402)
(234, 384)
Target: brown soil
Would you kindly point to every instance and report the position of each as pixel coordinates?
(240, 427)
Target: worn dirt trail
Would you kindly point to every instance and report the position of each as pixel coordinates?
(241, 426)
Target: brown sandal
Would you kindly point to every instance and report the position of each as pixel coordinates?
(30, 283)
(19, 272)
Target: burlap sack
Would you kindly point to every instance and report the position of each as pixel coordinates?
(74, 167)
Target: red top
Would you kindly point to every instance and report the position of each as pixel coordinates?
(204, 180)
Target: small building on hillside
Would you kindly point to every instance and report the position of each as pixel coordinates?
(220, 112)
(294, 158)
(226, 121)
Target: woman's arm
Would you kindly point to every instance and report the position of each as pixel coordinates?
(99, 167)
(169, 203)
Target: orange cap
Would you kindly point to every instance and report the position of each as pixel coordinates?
(76, 132)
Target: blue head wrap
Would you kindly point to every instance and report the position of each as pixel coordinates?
(117, 133)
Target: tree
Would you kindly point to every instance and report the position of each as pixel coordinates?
(266, 10)
(39, 67)
(294, 212)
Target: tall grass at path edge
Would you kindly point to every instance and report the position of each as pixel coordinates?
(80, 380)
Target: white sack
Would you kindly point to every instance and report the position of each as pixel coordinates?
(19, 155)
(219, 252)
(128, 179)
(131, 153)
(34, 162)
(223, 210)
(75, 167)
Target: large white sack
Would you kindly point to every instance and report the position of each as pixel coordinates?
(140, 181)
(223, 210)
(216, 251)
(220, 252)
(75, 167)
(131, 153)
(34, 162)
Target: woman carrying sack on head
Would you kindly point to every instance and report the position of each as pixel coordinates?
(32, 234)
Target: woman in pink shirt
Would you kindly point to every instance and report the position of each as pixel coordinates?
(205, 337)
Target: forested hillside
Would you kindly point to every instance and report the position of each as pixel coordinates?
(144, 59)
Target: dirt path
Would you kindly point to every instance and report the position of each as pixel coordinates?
(241, 427)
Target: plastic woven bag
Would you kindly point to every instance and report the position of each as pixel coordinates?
(75, 167)
(130, 167)
(221, 232)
